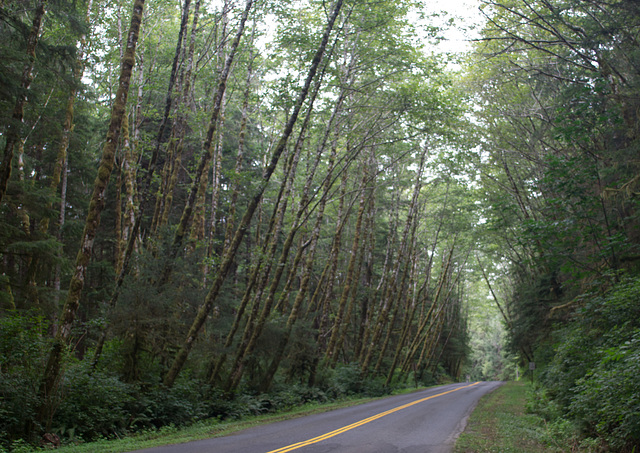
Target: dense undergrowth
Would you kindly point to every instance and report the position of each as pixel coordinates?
(591, 385)
(512, 420)
(99, 404)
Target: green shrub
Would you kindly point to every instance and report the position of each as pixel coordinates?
(222, 407)
(375, 387)
(594, 376)
(93, 405)
(157, 406)
(607, 400)
(23, 346)
(345, 380)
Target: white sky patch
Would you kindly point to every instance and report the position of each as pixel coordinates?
(459, 19)
(465, 25)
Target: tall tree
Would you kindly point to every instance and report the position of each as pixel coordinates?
(229, 254)
(72, 302)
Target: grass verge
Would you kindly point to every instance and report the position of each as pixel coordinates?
(499, 424)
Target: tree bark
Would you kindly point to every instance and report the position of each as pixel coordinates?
(331, 351)
(428, 319)
(208, 149)
(387, 301)
(254, 331)
(96, 205)
(230, 253)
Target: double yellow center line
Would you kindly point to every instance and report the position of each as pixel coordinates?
(315, 440)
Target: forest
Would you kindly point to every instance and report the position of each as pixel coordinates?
(213, 209)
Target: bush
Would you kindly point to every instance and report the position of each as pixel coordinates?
(280, 399)
(222, 407)
(94, 405)
(179, 405)
(595, 373)
(375, 387)
(345, 380)
(608, 399)
(23, 346)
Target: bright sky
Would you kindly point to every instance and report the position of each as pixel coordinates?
(466, 14)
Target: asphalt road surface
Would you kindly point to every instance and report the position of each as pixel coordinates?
(423, 422)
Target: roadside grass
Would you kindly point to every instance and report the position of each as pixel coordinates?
(500, 423)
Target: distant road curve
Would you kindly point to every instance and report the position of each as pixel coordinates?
(427, 421)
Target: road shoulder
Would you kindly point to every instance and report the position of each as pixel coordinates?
(499, 423)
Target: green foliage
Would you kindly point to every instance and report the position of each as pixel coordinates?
(559, 113)
(607, 400)
(397, 102)
(186, 402)
(345, 380)
(23, 345)
(594, 375)
(94, 404)
(99, 404)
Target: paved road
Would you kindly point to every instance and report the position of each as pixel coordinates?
(423, 422)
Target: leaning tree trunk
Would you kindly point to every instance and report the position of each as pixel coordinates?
(382, 318)
(365, 284)
(323, 293)
(409, 315)
(68, 124)
(428, 321)
(203, 165)
(305, 279)
(260, 270)
(369, 323)
(96, 205)
(133, 220)
(255, 329)
(176, 142)
(235, 190)
(228, 234)
(146, 182)
(229, 255)
(335, 341)
(169, 96)
(398, 297)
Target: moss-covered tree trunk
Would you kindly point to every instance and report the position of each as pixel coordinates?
(388, 299)
(96, 205)
(336, 339)
(236, 187)
(229, 255)
(304, 283)
(323, 294)
(254, 329)
(429, 321)
(409, 314)
(398, 296)
(68, 125)
(208, 149)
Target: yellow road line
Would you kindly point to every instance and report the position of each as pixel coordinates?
(328, 435)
